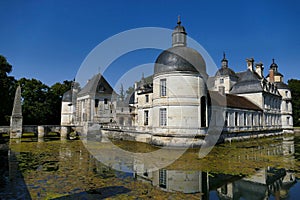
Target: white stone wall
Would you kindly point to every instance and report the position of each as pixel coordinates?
(286, 109)
(256, 98)
(67, 110)
(182, 103)
(223, 81)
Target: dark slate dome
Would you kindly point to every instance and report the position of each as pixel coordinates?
(226, 72)
(273, 65)
(182, 59)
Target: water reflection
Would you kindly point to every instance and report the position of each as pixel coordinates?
(66, 170)
(12, 184)
(265, 183)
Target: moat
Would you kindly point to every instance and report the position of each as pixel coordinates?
(54, 169)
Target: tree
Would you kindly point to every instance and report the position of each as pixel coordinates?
(122, 95)
(294, 86)
(7, 91)
(35, 109)
(54, 99)
(5, 67)
(41, 103)
(129, 92)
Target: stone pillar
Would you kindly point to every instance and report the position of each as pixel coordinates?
(88, 109)
(16, 119)
(64, 131)
(41, 131)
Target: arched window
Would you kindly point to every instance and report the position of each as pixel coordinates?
(203, 111)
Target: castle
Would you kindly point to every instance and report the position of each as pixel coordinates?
(180, 101)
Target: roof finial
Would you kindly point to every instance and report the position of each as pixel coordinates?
(273, 60)
(224, 55)
(178, 20)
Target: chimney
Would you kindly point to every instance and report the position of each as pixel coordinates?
(260, 69)
(271, 76)
(250, 62)
(222, 90)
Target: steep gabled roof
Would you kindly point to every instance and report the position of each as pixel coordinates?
(91, 87)
(67, 96)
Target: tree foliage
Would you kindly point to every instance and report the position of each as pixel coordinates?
(41, 103)
(7, 91)
(294, 85)
(54, 99)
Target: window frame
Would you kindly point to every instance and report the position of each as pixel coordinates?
(146, 117)
(163, 87)
(163, 117)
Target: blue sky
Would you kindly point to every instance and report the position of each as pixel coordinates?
(48, 40)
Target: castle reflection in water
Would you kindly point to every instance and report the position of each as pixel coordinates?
(264, 183)
(276, 183)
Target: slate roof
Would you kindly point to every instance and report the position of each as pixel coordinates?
(281, 85)
(145, 85)
(91, 86)
(226, 72)
(276, 73)
(232, 101)
(180, 59)
(67, 96)
(248, 82)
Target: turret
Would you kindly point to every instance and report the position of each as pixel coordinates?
(179, 35)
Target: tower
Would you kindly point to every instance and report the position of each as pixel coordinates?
(16, 119)
(179, 92)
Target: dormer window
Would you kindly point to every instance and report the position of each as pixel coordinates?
(221, 80)
(101, 88)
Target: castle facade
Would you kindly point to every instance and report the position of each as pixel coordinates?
(180, 102)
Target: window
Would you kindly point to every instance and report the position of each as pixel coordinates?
(287, 106)
(163, 117)
(286, 93)
(236, 118)
(101, 88)
(224, 189)
(147, 98)
(96, 103)
(288, 121)
(146, 117)
(221, 80)
(226, 119)
(203, 111)
(163, 178)
(105, 101)
(163, 87)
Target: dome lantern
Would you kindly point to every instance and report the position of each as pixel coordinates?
(179, 35)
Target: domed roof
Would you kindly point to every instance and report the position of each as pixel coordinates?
(226, 72)
(180, 58)
(273, 65)
(179, 28)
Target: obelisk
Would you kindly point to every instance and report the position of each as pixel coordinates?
(16, 119)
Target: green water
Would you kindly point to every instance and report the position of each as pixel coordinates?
(55, 169)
